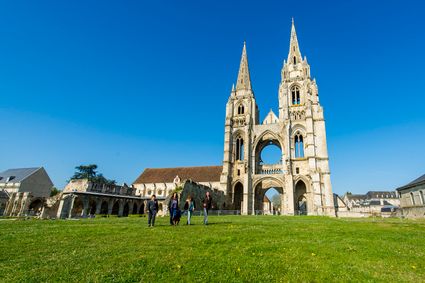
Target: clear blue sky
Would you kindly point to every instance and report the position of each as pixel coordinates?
(135, 84)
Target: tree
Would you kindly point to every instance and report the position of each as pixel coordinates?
(89, 172)
(276, 201)
(54, 191)
(85, 172)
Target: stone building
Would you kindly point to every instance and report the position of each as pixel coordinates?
(27, 189)
(371, 203)
(83, 198)
(163, 181)
(302, 177)
(412, 198)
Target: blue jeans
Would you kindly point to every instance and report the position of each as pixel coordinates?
(205, 216)
(151, 218)
(189, 216)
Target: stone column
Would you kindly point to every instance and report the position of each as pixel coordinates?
(98, 205)
(71, 205)
(110, 206)
(288, 208)
(121, 208)
(85, 206)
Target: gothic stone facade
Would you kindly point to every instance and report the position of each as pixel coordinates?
(302, 177)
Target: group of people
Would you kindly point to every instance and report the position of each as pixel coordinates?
(175, 211)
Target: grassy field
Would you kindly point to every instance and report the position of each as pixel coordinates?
(230, 249)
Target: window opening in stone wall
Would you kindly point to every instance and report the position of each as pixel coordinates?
(239, 149)
(297, 170)
(295, 95)
(241, 109)
(299, 146)
(295, 60)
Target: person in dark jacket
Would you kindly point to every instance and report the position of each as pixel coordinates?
(207, 205)
(173, 206)
(152, 211)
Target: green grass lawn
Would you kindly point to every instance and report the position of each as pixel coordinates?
(230, 249)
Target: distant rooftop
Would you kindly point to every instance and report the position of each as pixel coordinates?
(167, 175)
(415, 182)
(17, 175)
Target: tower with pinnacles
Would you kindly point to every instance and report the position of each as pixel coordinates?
(302, 176)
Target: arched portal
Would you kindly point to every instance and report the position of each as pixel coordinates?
(115, 208)
(266, 189)
(272, 201)
(35, 207)
(77, 208)
(126, 210)
(238, 196)
(104, 208)
(92, 207)
(300, 198)
(135, 208)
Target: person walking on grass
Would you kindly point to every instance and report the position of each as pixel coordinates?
(173, 206)
(152, 210)
(207, 204)
(190, 207)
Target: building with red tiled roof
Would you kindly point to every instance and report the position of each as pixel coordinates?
(162, 181)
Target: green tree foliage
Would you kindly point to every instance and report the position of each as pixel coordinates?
(54, 191)
(89, 172)
(276, 201)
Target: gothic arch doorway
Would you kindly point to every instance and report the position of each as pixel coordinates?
(265, 190)
(300, 198)
(238, 196)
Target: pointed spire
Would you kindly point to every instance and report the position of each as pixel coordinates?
(244, 80)
(294, 56)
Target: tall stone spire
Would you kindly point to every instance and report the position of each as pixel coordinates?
(244, 80)
(294, 56)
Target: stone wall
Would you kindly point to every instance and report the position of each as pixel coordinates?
(198, 191)
(412, 212)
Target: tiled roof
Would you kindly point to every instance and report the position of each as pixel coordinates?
(16, 175)
(167, 175)
(381, 194)
(417, 181)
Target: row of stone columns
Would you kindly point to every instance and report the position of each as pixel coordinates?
(66, 206)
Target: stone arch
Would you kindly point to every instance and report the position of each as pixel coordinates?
(104, 207)
(267, 138)
(115, 208)
(298, 128)
(126, 210)
(135, 208)
(238, 195)
(92, 206)
(240, 108)
(35, 206)
(300, 197)
(260, 188)
(77, 208)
